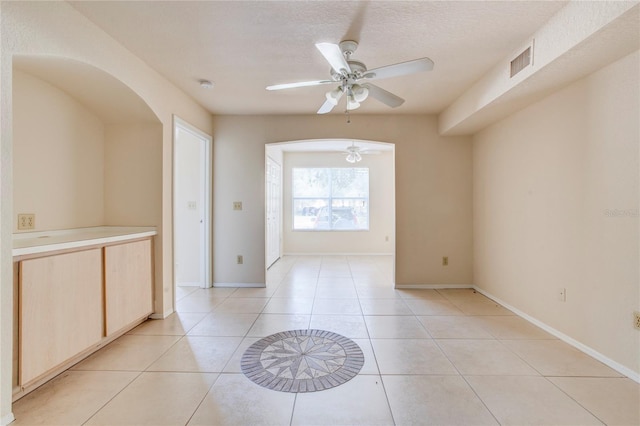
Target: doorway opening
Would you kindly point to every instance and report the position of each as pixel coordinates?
(191, 206)
(377, 238)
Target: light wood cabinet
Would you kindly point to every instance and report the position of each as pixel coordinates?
(74, 302)
(128, 284)
(60, 310)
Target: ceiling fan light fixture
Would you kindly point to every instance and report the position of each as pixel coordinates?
(354, 157)
(360, 93)
(334, 95)
(352, 103)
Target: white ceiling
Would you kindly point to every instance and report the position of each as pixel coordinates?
(243, 46)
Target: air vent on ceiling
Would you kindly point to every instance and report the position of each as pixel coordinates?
(521, 61)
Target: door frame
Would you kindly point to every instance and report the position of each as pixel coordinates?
(207, 196)
(279, 208)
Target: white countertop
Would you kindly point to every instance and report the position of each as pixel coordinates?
(44, 241)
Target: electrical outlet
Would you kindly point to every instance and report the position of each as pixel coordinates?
(445, 261)
(239, 259)
(192, 205)
(237, 205)
(636, 320)
(26, 221)
(562, 294)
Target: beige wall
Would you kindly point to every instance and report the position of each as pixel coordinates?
(379, 239)
(556, 198)
(433, 191)
(133, 174)
(58, 168)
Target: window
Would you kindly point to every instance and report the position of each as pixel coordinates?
(334, 199)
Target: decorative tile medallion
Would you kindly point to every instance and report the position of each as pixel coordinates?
(302, 361)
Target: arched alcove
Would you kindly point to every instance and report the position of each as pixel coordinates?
(87, 150)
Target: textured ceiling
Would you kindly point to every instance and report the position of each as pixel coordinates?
(243, 46)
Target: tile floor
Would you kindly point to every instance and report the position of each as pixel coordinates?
(439, 357)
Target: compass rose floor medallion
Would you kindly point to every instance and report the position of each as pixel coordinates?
(302, 361)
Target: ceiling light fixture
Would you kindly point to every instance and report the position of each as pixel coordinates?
(353, 154)
(206, 84)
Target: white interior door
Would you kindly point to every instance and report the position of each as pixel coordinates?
(191, 212)
(273, 210)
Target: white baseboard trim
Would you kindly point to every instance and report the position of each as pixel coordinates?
(239, 285)
(8, 418)
(431, 286)
(161, 316)
(633, 375)
(338, 254)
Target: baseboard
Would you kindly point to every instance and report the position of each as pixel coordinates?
(161, 316)
(239, 285)
(635, 376)
(338, 254)
(8, 418)
(431, 286)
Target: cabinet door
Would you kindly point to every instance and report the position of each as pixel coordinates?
(128, 284)
(60, 310)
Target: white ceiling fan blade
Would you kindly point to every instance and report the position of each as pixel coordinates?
(326, 107)
(404, 68)
(334, 56)
(300, 84)
(383, 96)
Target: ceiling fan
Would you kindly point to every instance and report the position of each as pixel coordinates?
(353, 77)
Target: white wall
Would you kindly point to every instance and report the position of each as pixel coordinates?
(58, 164)
(380, 237)
(546, 181)
(433, 191)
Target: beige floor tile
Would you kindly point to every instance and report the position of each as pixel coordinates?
(360, 401)
(462, 295)
(198, 354)
(336, 307)
(235, 400)
(454, 327)
(483, 357)
(432, 307)
(198, 302)
(289, 306)
(395, 306)
(370, 364)
(71, 398)
(395, 327)
(182, 291)
(335, 292)
(615, 401)
(411, 356)
(557, 358)
(233, 365)
(128, 353)
(482, 307)
(254, 292)
(244, 305)
(224, 325)
(511, 327)
(374, 281)
(268, 324)
(176, 324)
(156, 399)
(420, 293)
(351, 326)
(435, 400)
(295, 292)
(324, 281)
(528, 400)
(369, 292)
